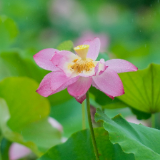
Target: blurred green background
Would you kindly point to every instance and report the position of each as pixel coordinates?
(127, 29)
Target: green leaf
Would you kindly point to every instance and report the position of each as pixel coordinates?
(120, 155)
(142, 89)
(8, 32)
(8, 133)
(79, 146)
(21, 98)
(66, 45)
(37, 131)
(25, 115)
(104, 101)
(135, 139)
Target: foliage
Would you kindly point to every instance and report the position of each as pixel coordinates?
(16, 127)
(28, 26)
(142, 89)
(134, 139)
(79, 146)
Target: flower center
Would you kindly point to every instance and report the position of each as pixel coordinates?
(82, 65)
(82, 51)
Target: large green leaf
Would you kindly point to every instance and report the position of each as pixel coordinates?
(21, 98)
(135, 139)
(8, 133)
(41, 133)
(25, 118)
(79, 146)
(142, 89)
(8, 32)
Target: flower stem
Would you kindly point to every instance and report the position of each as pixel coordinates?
(83, 116)
(91, 127)
(153, 120)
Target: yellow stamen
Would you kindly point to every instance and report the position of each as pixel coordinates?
(82, 50)
(82, 65)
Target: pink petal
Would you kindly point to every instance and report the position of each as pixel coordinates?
(43, 59)
(93, 49)
(67, 83)
(109, 83)
(54, 82)
(45, 85)
(100, 68)
(51, 83)
(102, 61)
(80, 87)
(96, 69)
(55, 124)
(94, 85)
(80, 99)
(18, 151)
(120, 65)
(59, 56)
(57, 80)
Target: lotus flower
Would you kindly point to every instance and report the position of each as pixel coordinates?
(77, 72)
